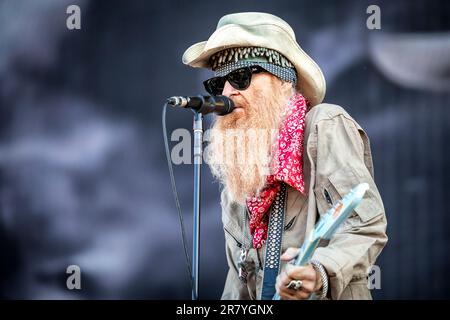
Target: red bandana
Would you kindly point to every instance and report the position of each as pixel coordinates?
(288, 168)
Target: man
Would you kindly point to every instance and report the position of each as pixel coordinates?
(289, 159)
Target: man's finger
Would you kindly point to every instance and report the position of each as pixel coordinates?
(290, 254)
(300, 273)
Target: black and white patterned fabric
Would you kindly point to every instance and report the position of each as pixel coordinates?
(272, 61)
(273, 244)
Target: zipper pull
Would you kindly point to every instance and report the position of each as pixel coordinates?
(241, 263)
(286, 227)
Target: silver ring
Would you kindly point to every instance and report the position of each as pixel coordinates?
(295, 284)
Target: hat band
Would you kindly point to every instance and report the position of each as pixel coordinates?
(228, 60)
(249, 53)
(284, 73)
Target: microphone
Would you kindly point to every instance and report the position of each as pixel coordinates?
(220, 105)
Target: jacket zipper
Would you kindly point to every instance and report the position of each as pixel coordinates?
(239, 244)
(289, 224)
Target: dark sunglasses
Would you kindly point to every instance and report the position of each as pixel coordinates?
(239, 79)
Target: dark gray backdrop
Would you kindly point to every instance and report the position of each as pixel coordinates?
(83, 178)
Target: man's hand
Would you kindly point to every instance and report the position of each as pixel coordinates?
(311, 281)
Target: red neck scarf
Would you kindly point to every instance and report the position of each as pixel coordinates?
(288, 168)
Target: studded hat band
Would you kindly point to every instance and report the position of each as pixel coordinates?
(228, 60)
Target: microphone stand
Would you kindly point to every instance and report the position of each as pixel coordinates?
(198, 156)
(199, 105)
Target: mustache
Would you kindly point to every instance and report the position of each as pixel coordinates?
(238, 100)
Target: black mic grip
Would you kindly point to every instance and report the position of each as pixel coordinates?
(220, 105)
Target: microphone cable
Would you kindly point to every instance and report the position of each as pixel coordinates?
(175, 195)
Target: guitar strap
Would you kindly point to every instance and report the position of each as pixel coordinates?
(273, 244)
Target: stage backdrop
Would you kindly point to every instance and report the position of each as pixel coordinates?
(83, 177)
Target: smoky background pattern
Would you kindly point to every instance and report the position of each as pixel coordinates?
(83, 178)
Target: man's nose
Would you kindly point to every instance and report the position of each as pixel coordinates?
(228, 90)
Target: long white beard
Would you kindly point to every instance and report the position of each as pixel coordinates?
(242, 146)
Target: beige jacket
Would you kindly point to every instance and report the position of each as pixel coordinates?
(337, 157)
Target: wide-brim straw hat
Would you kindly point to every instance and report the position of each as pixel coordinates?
(257, 29)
